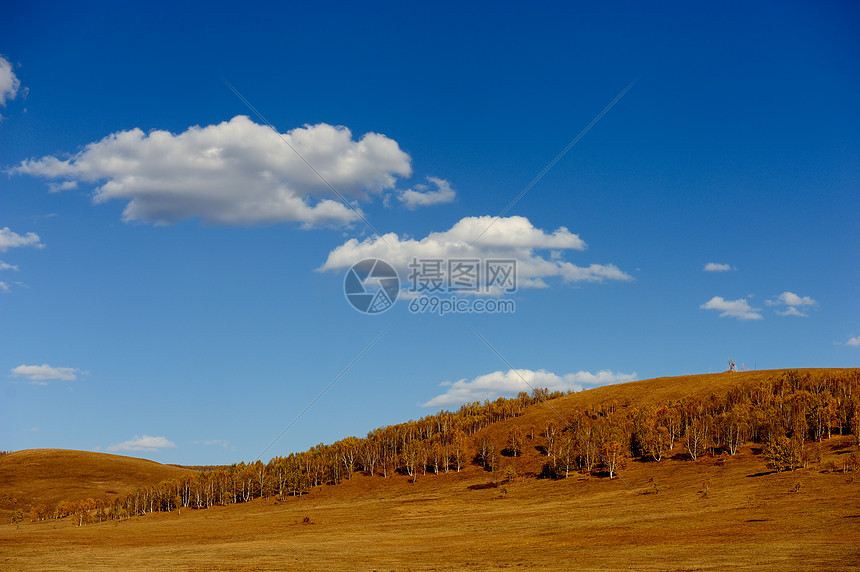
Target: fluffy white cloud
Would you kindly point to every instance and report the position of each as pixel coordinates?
(45, 372)
(10, 239)
(509, 383)
(4, 287)
(506, 238)
(739, 309)
(9, 83)
(422, 197)
(792, 302)
(792, 299)
(234, 173)
(145, 443)
(716, 267)
(855, 341)
(4, 266)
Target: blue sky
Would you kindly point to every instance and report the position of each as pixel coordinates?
(172, 269)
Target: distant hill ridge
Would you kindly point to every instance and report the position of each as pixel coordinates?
(47, 476)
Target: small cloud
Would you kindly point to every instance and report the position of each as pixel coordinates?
(739, 309)
(10, 239)
(717, 267)
(792, 299)
(39, 374)
(6, 287)
(511, 382)
(145, 443)
(793, 311)
(412, 199)
(855, 342)
(9, 83)
(213, 442)
(792, 302)
(64, 186)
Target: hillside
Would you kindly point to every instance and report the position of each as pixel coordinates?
(663, 389)
(46, 476)
(714, 512)
(674, 515)
(655, 392)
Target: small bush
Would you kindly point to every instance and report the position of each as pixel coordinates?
(783, 454)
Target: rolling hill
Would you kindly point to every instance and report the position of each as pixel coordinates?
(718, 512)
(47, 476)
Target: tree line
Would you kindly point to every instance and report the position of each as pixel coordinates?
(788, 414)
(436, 443)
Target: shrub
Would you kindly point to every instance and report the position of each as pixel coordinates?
(783, 454)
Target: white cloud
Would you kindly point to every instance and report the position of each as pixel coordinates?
(855, 341)
(792, 299)
(145, 443)
(793, 311)
(64, 186)
(213, 442)
(44, 372)
(716, 267)
(506, 238)
(793, 302)
(9, 83)
(421, 197)
(10, 239)
(739, 309)
(234, 173)
(509, 383)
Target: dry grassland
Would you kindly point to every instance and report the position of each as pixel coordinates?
(712, 514)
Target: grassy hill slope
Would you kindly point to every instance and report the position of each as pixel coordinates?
(673, 515)
(657, 391)
(716, 513)
(47, 476)
(661, 390)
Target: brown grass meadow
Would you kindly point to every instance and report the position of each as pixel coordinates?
(716, 513)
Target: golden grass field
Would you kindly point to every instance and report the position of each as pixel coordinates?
(711, 514)
(47, 476)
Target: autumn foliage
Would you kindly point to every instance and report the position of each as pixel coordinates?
(785, 415)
